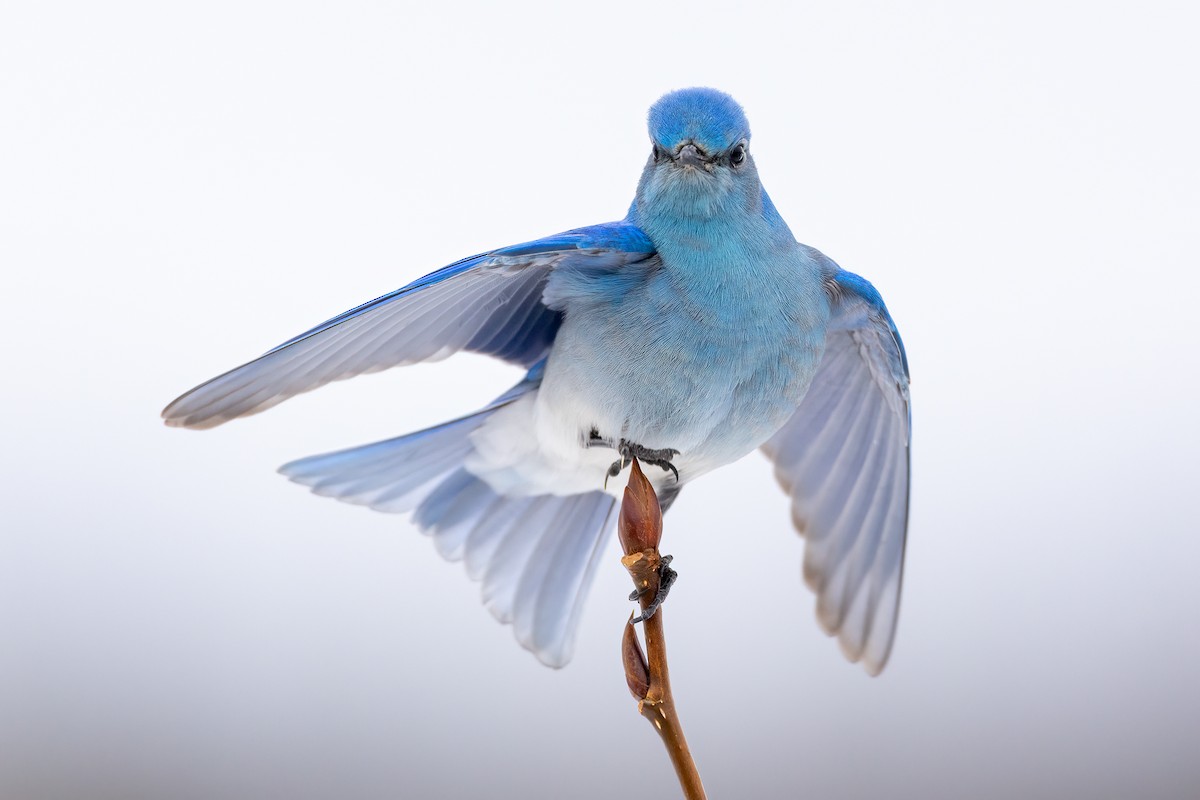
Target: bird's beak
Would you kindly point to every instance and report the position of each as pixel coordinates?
(691, 156)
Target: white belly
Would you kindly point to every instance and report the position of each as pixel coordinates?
(540, 443)
(532, 448)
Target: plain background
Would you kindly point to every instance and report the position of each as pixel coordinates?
(183, 187)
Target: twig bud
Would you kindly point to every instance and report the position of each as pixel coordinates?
(637, 672)
(639, 526)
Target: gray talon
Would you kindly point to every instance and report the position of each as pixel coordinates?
(666, 579)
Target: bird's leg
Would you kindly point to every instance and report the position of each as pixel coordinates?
(659, 458)
(666, 578)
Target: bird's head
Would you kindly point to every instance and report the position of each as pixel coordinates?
(700, 164)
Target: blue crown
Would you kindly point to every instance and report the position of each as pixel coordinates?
(711, 119)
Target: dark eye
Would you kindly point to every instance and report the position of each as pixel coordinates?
(737, 156)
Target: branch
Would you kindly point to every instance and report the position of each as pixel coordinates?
(640, 529)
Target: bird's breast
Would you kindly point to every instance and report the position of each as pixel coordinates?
(710, 365)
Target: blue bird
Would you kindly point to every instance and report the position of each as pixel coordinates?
(688, 334)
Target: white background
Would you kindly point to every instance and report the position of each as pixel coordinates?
(183, 187)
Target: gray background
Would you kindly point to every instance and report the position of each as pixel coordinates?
(182, 188)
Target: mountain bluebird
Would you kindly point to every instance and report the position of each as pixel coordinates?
(688, 334)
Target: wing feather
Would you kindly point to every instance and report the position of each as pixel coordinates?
(844, 459)
(490, 303)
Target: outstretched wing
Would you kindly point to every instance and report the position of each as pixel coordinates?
(844, 459)
(489, 303)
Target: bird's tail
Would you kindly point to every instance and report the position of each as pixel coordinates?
(536, 556)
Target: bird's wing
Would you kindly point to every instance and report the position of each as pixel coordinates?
(490, 303)
(844, 459)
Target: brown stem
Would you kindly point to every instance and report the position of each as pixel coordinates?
(640, 529)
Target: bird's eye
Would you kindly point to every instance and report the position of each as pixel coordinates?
(737, 156)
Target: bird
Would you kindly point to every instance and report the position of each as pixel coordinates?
(688, 334)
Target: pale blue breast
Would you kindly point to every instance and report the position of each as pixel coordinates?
(707, 349)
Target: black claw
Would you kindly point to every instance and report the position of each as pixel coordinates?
(666, 466)
(666, 579)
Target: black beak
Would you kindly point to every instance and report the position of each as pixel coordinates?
(691, 156)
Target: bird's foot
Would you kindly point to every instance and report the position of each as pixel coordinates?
(629, 451)
(666, 578)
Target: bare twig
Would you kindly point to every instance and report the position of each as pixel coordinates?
(640, 530)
